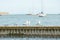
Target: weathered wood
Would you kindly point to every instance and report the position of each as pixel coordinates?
(31, 30)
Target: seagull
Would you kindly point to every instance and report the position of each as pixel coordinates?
(38, 23)
(27, 22)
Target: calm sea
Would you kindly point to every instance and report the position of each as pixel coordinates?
(19, 20)
(29, 38)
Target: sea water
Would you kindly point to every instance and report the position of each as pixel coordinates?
(48, 20)
(29, 38)
(20, 19)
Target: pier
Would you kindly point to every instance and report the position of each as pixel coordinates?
(52, 31)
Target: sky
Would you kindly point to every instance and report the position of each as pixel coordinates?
(30, 6)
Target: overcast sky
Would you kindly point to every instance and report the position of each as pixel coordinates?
(29, 6)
